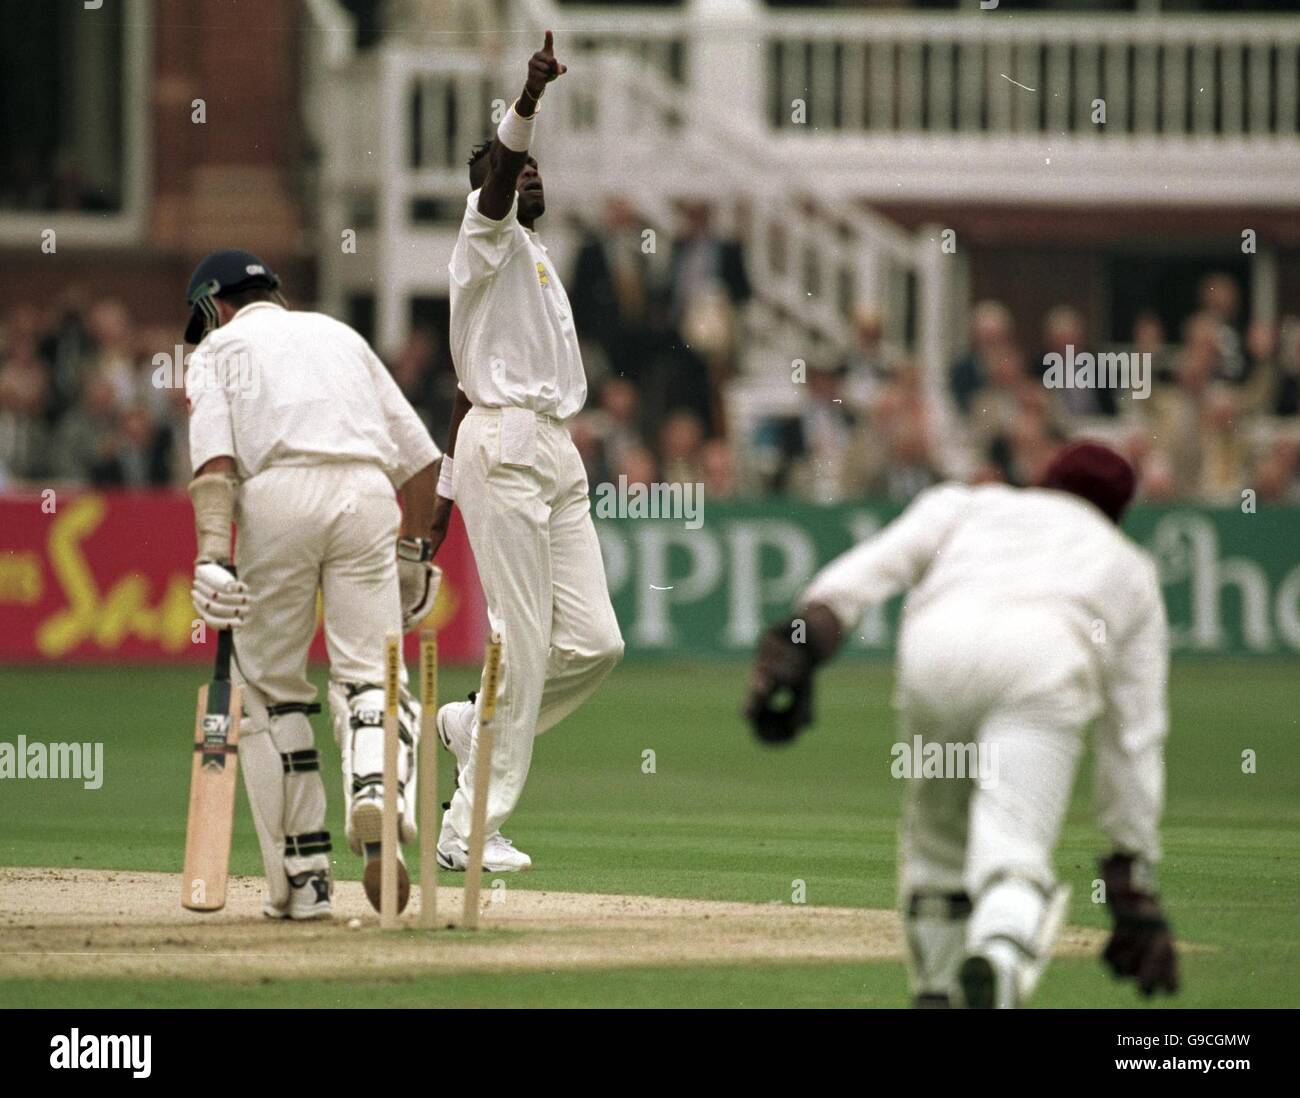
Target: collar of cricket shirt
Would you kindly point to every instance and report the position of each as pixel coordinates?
(255, 305)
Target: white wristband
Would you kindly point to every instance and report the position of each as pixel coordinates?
(444, 478)
(515, 131)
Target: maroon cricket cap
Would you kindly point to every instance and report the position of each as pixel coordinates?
(1093, 472)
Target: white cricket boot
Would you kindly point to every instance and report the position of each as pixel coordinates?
(499, 855)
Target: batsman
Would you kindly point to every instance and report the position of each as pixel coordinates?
(1030, 616)
(300, 438)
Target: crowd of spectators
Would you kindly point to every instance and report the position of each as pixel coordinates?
(869, 426)
(1191, 437)
(81, 402)
(84, 400)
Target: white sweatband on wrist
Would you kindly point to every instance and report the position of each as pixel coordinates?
(516, 131)
(444, 478)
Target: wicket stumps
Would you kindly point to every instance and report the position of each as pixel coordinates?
(389, 835)
(482, 777)
(428, 779)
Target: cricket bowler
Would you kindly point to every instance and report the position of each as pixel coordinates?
(517, 476)
(1029, 616)
(300, 438)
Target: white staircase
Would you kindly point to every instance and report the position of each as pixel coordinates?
(395, 126)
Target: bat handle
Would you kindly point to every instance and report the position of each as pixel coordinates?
(225, 645)
(225, 649)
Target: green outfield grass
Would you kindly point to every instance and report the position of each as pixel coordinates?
(719, 818)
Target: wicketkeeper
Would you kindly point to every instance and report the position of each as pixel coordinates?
(1030, 615)
(301, 438)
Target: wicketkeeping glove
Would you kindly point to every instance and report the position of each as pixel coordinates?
(220, 597)
(779, 705)
(1142, 944)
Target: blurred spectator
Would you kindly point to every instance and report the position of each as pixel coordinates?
(1277, 475)
(1286, 390)
(86, 442)
(703, 265)
(997, 403)
(1195, 422)
(1063, 331)
(114, 354)
(719, 468)
(24, 393)
(1220, 301)
(140, 456)
(990, 332)
(639, 467)
(681, 442)
(426, 379)
(65, 346)
(826, 434)
(891, 457)
(607, 433)
(1262, 369)
(694, 338)
(1149, 338)
(610, 291)
(866, 367)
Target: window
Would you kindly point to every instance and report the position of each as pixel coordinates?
(73, 116)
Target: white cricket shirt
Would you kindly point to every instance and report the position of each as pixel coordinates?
(275, 387)
(970, 555)
(512, 333)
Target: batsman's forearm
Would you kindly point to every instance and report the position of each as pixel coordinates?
(418, 496)
(212, 492)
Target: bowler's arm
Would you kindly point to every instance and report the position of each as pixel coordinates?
(505, 163)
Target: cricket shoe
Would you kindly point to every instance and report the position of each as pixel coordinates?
(310, 897)
(368, 827)
(985, 983)
(499, 855)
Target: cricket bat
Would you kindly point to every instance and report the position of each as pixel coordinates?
(212, 787)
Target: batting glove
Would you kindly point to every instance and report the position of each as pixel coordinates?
(418, 580)
(220, 597)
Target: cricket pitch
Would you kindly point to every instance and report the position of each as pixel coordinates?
(70, 923)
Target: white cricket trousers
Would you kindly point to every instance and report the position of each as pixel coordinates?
(975, 859)
(528, 517)
(332, 528)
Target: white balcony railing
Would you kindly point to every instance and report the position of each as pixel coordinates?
(1041, 76)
